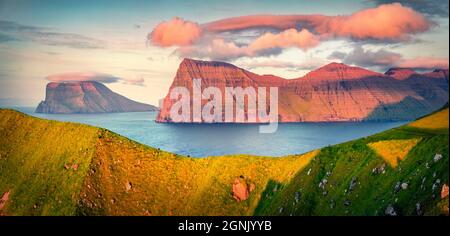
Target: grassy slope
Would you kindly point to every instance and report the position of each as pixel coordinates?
(117, 176)
(373, 193)
(35, 151)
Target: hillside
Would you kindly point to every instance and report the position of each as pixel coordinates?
(56, 168)
(86, 97)
(333, 92)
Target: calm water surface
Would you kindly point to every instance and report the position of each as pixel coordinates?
(199, 140)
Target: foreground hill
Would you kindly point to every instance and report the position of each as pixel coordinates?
(57, 168)
(86, 97)
(334, 92)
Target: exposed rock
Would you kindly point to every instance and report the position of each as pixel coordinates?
(437, 157)
(397, 187)
(86, 97)
(350, 93)
(347, 203)
(128, 186)
(422, 186)
(379, 169)
(404, 186)
(419, 211)
(352, 184)
(3, 200)
(298, 194)
(390, 211)
(444, 191)
(241, 190)
(75, 167)
(323, 183)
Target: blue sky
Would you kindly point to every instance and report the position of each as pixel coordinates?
(43, 38)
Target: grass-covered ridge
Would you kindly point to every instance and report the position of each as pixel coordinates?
(117, 176)
(59, 168)
(353, 179)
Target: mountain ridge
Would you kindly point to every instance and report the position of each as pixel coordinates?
(334, 92)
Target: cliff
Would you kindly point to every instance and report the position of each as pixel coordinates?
(334, 92)
(86, 97)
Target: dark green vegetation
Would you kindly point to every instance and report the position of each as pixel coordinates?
(354, 164)
(56, 168)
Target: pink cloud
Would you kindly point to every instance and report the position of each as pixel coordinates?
(220, 49)
(92, 76)
(175, 32)
(83, 76)
(218, 39)
(289, 38)
(389, 21)
(425, 63)
(280, 22)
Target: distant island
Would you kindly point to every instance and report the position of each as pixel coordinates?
(334, 92)
(86, 97)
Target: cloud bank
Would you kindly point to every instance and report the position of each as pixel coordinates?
(92, 76)
(384, 59)
(386, 23)
(12, 31)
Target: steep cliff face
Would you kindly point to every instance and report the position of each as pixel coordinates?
(86, 97)
(335, 92)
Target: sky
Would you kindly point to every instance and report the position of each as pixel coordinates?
(135, 47)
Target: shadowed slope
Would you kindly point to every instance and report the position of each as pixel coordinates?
(352, 179)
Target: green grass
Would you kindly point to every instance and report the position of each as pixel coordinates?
(117, 176)
(373, 193)
(35, 151)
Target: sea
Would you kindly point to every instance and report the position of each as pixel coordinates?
(202, 140)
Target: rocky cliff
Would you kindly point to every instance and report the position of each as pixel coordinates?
(86, 97)
(334, 92)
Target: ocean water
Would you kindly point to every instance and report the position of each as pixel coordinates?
(201, 140)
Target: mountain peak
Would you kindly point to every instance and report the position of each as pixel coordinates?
(334, 66)
(191, 62)
(400, 72)
(335, 70)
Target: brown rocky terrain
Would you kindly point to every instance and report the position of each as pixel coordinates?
(86, 97)
(334, 92)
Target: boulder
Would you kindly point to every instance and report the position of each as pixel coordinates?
(444, 191)
(390, 211)
(437, 157)
(404, 186)
(241, 189)
(352, 184)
